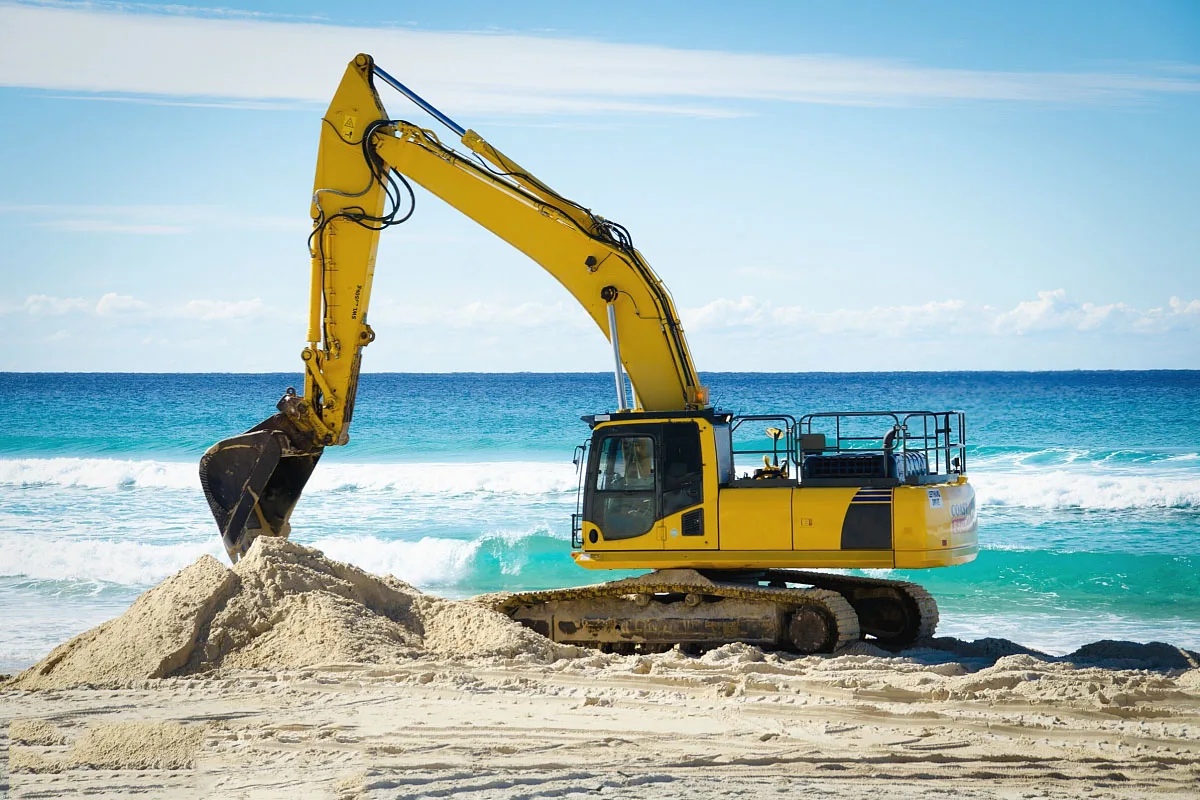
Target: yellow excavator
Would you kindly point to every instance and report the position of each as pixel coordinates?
(732, 555)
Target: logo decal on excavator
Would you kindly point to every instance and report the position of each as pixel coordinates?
(962, 516)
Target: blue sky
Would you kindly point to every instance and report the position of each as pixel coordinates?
(823, 186)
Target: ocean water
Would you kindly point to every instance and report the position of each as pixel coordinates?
(1088, 482)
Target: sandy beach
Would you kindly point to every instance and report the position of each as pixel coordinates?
(293, 675)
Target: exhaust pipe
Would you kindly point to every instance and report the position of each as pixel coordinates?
(253, 481)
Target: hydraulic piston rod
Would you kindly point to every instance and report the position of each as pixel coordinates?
(459, 130)
(609, 295)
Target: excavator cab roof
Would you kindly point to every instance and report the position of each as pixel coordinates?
(709, 414)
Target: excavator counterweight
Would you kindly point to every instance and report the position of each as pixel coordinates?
(659, 484)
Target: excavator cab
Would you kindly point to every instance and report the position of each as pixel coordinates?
(883, 489)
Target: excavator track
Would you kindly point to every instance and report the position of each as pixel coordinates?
(896, 613)
(684, 607)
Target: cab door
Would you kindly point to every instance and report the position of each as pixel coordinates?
(621, 501)
(689, 523)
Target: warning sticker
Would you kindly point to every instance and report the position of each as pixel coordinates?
(935, 498)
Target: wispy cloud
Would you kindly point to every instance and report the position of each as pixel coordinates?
(115, 305)
(210, 57)
(1052, 311)
(150, 220)
(124, 307)
(40, 305)
(222, 309)
(751, 317)
(108, 226)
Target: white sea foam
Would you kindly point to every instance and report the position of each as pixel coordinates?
(64, 558)
(1031, 487)
(501, 477)
(989, 458)
(427, 562)
(96, 473)
(1087, 490)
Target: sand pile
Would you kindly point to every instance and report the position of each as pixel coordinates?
(285, 606)
(282, 606)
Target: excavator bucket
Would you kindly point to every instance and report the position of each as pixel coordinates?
(252, 482)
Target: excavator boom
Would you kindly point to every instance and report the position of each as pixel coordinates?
(364, 164)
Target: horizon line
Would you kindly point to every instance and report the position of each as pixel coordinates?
(608, 373)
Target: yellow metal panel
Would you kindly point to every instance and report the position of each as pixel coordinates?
(756, 519)
(652, 540)
(343, 261)
(925, 559)
(675, 540)
(817, 514)
(935, 525)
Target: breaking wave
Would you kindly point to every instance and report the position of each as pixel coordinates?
(128, 563)
(462, 566)
(1046, 488)
(501, 477)
(1087, 490)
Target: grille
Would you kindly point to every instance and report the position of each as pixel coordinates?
(693, 523)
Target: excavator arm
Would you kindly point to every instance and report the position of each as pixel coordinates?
(364, 165)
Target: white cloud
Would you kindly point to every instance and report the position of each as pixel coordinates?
(46, 305)
(222, 309)
(172, 56)
(113, 304)
(1052, 311)
(753, 315)
(128, 307)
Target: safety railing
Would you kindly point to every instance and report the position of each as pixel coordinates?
(580, 459)
(781, 451)
(881, 447)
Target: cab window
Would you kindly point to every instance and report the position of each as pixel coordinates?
(623, 503)
(626, 462)
(683, 467)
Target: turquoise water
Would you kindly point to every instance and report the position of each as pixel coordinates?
(1089, 489)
